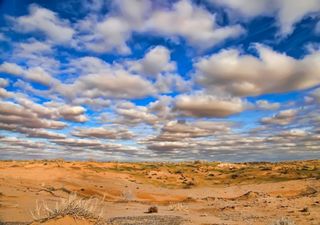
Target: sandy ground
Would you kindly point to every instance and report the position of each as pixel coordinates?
(199, 192)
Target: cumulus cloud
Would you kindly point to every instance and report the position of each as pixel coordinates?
(155, 61)
(265, 105)
(11, 68)
(35, 74)
(33, 47)
(284, 117)
(191, 22)
(45, 21)
(157, 65)
(116, 83)
(202, 105)
(169, 146)
(3, 82)
(156, 106)
(21, 114)
(162, 107)
(103, 133)
(35, 53)
(294, 133)
(88, 65)
(110, 34)
(41, 133)
(229, 71)
(168, 83)
(11, 113)
(91, 144)
(176, 131)
(184, 19)
(5, 94)
(14, 141)
(73, 113)
(132, 114)
(287, 12)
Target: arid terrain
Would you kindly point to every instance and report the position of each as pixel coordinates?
(183, 193)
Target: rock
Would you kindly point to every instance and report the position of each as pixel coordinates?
(153, 209)
(305, 209)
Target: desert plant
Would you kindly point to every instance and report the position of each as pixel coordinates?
(283, 221)
(72, 206)
(178, 207)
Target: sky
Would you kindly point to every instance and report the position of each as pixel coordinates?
(160, 80)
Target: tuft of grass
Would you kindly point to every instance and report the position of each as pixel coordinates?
(72, 206)
(283, 221)
(178, 207)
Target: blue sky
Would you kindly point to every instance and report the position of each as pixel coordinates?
(138, 80)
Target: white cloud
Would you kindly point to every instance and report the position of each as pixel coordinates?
(45, 21)
(116, 83)
(191, 22)
(162, 107)
(103, 133)
(41, 133)
(287, 12)
(169, 83)
(88, 65)
(184, 19)
(238, 74)
(34, 47)
(11, 68)
(14, 114)
(131, 114)
(202, 105)
(4, 82)
(111, 34)
(134, 11)
(284, 117)
(73, 113)
(36, 74)
(265, 105)
(155, 61)
(294, 133)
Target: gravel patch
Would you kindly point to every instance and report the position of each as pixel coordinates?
(147, 220)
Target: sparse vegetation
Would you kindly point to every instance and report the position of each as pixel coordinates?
(72, 206)
(179, 207)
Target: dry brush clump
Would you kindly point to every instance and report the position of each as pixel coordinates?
(178, 207)
(72, 206)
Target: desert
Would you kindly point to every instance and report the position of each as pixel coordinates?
(192, 192)
(160, 112)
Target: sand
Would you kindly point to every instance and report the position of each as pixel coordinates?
(197, 192)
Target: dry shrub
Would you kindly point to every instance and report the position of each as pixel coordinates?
(283, 221)
(72, 206)
(178, 207)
